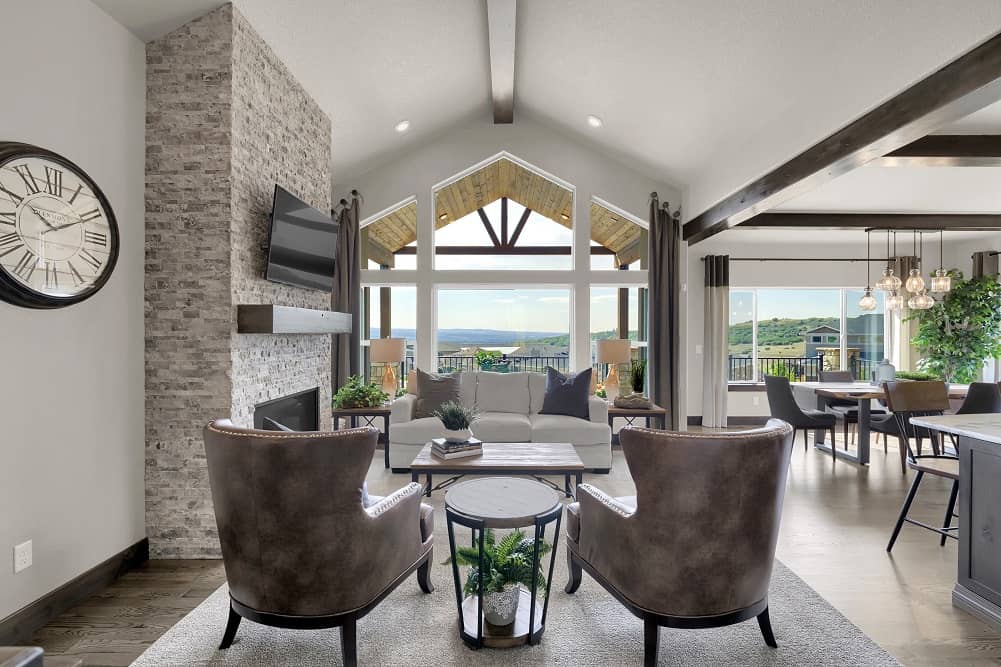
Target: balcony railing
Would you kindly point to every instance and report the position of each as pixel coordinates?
(797, 369)
(506, 364)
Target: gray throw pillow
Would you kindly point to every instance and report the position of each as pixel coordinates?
(567, 394)
(433, 390)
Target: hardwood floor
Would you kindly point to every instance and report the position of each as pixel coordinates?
(835, 526)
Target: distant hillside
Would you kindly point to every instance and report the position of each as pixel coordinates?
(489, 337)
(788, 331)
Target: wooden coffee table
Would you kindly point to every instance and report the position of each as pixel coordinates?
(532, 459)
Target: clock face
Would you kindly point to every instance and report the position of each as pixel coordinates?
(58, 237)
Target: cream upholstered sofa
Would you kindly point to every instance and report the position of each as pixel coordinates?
(508, 406)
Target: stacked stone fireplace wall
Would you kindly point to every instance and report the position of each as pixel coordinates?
(226, 121)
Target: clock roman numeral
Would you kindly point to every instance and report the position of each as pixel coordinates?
(8, 218)
(26, 266)
(85, 255)
(96, 238)
(90, 215)
(76, 193)
(8, 240)
(53, 181)
(29, 179)
(14, 197)
(74, 274)
(51, 275)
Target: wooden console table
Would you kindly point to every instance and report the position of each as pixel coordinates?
(369, 415)
(631, 414)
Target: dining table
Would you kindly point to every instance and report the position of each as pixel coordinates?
(819, 394)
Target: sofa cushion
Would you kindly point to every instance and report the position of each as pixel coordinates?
(567, 394)
(502, 392)
(536, 391)
(433, 390)
(561, 428)
(502, 427)
(417, 432)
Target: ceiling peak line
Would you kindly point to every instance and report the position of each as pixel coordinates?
(501, 26)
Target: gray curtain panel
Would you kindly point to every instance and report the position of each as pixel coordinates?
(664, 317)
(717, 321)
(346, 297)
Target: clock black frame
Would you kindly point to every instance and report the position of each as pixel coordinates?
(16, 293)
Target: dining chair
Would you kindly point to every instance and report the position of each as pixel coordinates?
(782, 405)
(845, 410)
(981, 398)
(922, 399)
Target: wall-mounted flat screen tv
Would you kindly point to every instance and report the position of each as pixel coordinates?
(302, 244)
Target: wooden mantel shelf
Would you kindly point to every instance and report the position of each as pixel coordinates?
(272, 319)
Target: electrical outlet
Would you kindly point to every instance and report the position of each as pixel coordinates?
(22, 556)
(755, 401)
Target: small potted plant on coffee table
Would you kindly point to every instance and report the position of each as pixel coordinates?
(456, 418)
(507, 567)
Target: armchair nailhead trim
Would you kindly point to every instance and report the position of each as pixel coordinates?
(395, 498)
(298, 435)
(605, 500)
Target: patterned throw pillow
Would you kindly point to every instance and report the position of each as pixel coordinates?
(567, 394)
(433, 390)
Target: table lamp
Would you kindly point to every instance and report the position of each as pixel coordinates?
(613, 351)
(390, 352)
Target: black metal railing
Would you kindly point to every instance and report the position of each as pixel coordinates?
(797, 369)
(504, 364)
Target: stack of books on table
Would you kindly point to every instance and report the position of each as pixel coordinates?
(444, 449)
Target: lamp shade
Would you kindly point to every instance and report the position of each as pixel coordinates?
(613, 351)
(387, 350)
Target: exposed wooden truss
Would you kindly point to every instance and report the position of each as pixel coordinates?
(967, 84)
(504, 180)
(501, 22)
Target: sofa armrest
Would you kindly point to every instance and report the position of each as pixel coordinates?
(403, 409)
(597, 409)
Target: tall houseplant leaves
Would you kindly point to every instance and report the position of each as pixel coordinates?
(961, 330)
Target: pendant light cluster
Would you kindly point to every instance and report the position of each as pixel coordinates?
(920, 299)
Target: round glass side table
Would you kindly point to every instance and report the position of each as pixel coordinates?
(498, 503)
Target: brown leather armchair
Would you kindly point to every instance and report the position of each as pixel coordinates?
(694, 548)
(300, 549)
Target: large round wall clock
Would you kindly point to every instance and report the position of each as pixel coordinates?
(58, 235)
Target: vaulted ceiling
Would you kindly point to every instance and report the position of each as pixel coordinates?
(701, 94)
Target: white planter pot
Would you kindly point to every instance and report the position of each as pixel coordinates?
(500, 609)
(460, 435)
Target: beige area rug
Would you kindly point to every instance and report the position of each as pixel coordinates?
(587, 628)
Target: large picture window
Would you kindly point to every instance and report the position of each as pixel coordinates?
(796, 333)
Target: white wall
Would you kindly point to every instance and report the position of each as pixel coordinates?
(71, 390)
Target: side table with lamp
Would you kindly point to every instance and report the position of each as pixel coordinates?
(614, 352)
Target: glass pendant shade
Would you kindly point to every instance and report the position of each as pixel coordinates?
(888, 282)
(894, 301)
(868, 302)
(920, 301)
(915, 283)
(941, 282)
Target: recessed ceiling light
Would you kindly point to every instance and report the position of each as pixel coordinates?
(594, 121)
(402, 126)
(443, 216)
(564, 216)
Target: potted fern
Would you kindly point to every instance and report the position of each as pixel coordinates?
(507, 567)
(456, 418)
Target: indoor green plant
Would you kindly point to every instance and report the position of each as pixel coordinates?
(637, 375)
(507, 566)
(456, 418)
(961, 329)
(356, 394)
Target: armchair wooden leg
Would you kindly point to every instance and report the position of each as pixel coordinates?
(231, 626)
(573, 567)
(949, 509)
(903, 510)
(651, 642)
(424, 574)
(349, 643)
(766, 628)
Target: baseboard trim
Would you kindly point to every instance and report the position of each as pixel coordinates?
(21, 626)
(751, 420)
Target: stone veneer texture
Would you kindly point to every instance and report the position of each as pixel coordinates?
(225, 122)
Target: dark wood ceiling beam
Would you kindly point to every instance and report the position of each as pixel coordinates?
(908, 221)
(505, 250)
(501, 15)
(961, 87)
(520, 226)
(947, 150)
